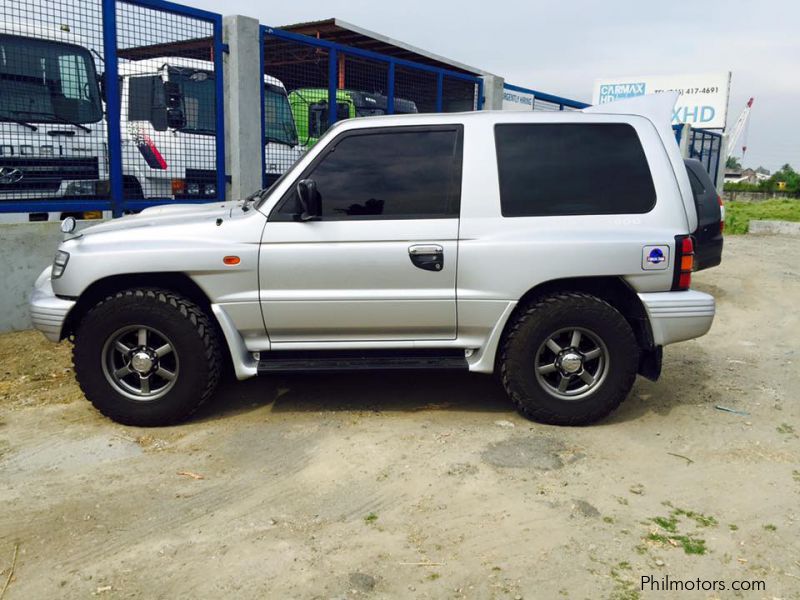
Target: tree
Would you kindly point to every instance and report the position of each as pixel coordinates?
(733, 163)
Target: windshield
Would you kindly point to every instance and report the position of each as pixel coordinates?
(199, 93)
(278, 121)
(369, 112)
(44, 81)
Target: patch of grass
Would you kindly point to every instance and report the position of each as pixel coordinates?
(770, 527)
(608, 519)
(733, 527)
(690, 545)
(785, 429)
(670, 528)
(434, 576)
(670, 523)
(667, 523)
(739, 214)
(624, 588)
(699, 518)
(796, 475)
(371, 518)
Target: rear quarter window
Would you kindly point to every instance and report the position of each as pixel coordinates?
(572, 169)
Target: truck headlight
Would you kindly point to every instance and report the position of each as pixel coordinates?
(85, 188)
(59, 264)
(193, 189)
(211, 189)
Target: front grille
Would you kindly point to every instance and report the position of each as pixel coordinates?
(45, 174)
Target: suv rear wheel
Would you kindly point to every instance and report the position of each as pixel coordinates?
(568, 359)
(147, 357)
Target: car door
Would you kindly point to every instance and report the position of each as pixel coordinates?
(379, 264)
(708, 235)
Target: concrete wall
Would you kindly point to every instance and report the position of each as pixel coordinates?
(773, 227)
(727, 196)
(27, 248)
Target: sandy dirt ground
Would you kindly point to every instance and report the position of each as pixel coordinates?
(409, 486)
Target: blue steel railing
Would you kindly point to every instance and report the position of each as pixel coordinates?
(559, 101)
(116, 202)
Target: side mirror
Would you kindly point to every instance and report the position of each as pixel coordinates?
(310, 200)
(173, 100)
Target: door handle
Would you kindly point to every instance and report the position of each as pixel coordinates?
(429, 257)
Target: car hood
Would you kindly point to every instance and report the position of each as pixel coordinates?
(167, 215)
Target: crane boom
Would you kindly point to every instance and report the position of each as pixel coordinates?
(738, 128)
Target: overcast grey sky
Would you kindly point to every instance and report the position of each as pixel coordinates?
(561, 47)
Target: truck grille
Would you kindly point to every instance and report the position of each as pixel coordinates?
(44, 174)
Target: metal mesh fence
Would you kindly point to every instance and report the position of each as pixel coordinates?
(295, 101)
(168, 104)
(307, 76)
(459, 95)
(419, 87)
(52, 134)
(706, 146)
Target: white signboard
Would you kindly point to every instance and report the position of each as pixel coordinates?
(516, 100)
(703, 100)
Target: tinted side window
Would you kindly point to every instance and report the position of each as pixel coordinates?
(572, 169)
(390, 174)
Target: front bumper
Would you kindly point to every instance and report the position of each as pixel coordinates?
(678, 316)
(48, 311)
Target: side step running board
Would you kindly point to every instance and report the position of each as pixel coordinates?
(294, 362)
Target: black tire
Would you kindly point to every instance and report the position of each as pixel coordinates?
(524, 351)
(195, 356)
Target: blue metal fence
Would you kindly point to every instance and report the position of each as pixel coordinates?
(326, 81)
(547, 102)
(705, 146)
(127, 40)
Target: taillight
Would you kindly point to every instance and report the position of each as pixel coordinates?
(684, 263)
(721, 214)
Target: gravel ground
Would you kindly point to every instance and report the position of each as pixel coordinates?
(427, 486)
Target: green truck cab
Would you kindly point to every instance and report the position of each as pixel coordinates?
(310, 109)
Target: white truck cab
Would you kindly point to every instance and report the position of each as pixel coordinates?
(553, 249)
(168, 122)
(52, 130)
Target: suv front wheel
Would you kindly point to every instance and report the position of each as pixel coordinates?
(147, 357)
(568, 359)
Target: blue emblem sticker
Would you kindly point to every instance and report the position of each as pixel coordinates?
(655, 258)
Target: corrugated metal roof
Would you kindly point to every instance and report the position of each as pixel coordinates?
(342, 32)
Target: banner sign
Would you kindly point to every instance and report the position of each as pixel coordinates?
(703, 100)
(515, 100)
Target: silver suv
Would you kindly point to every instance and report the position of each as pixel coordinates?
(551, 248)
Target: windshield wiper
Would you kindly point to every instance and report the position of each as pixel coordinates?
(20, 122)
(54, 116)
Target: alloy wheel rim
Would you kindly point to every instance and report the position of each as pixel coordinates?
(571, 363)
(140, 362)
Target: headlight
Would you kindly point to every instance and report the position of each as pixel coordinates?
(81, 188)
(193, 189)
(59, 264)
(210, 189)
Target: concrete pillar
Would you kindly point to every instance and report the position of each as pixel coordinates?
(492, 92)
(244, 152)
